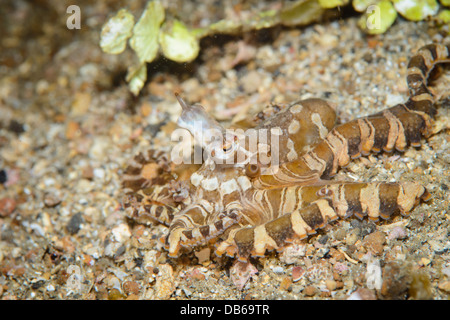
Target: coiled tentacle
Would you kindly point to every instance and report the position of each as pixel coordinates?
(395, 127)
(320, 205)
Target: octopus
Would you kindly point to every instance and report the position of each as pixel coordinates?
(260, 189)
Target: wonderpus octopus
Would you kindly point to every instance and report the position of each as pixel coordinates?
(246, 205)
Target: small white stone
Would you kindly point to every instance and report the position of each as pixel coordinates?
(99, 149)
(278, 270)
(121, 232)
(50, 288)
(84, 186)
(49, 182)
(99, 173)
(16, 252)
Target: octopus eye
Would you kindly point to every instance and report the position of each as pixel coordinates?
(227, 148)
(324, 192)
(252, 170)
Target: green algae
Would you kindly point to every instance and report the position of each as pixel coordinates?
(145, 33)
(416, 10)
(155, 34)
(378, 18)
(329, 4)
(178, 43)
(115, 33)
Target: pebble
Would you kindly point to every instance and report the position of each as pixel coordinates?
(99, 173)
(187, 292)
(16, 127)
(339, 234)
(374, 242)
(437, 246)
(7, 206)
(445, 271)
(331, 285)
(37, 283)
(50, 288)
(16, 252)
(131, 287)
(251, 82)
(322, 240)
(241, 272)
(81, 103)
(352, 238)
(52, 199)
(99, 148)
(445, 286)
(157, 89)
(121, 232)
(285, 283)
(38, 229)
(72, 130)
(340, 268)
(84, 186)
(293, 254)
(115, 294)
(165, 282)
(267, 58)
(192, 89)
(356, 224)
(12, 176)
(278, 270)
(121, 275)
(424, 262)
(397, 233)
(297, 273)
(363, 294)
(74, 224)
(48, 182)
(328, 40)
(310, 291)
(3, 176)
(197, 274)
(373, 274)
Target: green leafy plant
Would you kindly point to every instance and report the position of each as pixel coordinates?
(153, 34)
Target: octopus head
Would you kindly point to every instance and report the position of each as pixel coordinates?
(225, 149)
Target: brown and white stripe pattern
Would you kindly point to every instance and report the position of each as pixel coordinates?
(246, 213)
(207, 219)
(147, 186)
(341, 200)
(395, 127)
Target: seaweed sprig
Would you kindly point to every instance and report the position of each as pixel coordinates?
(154, 34)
